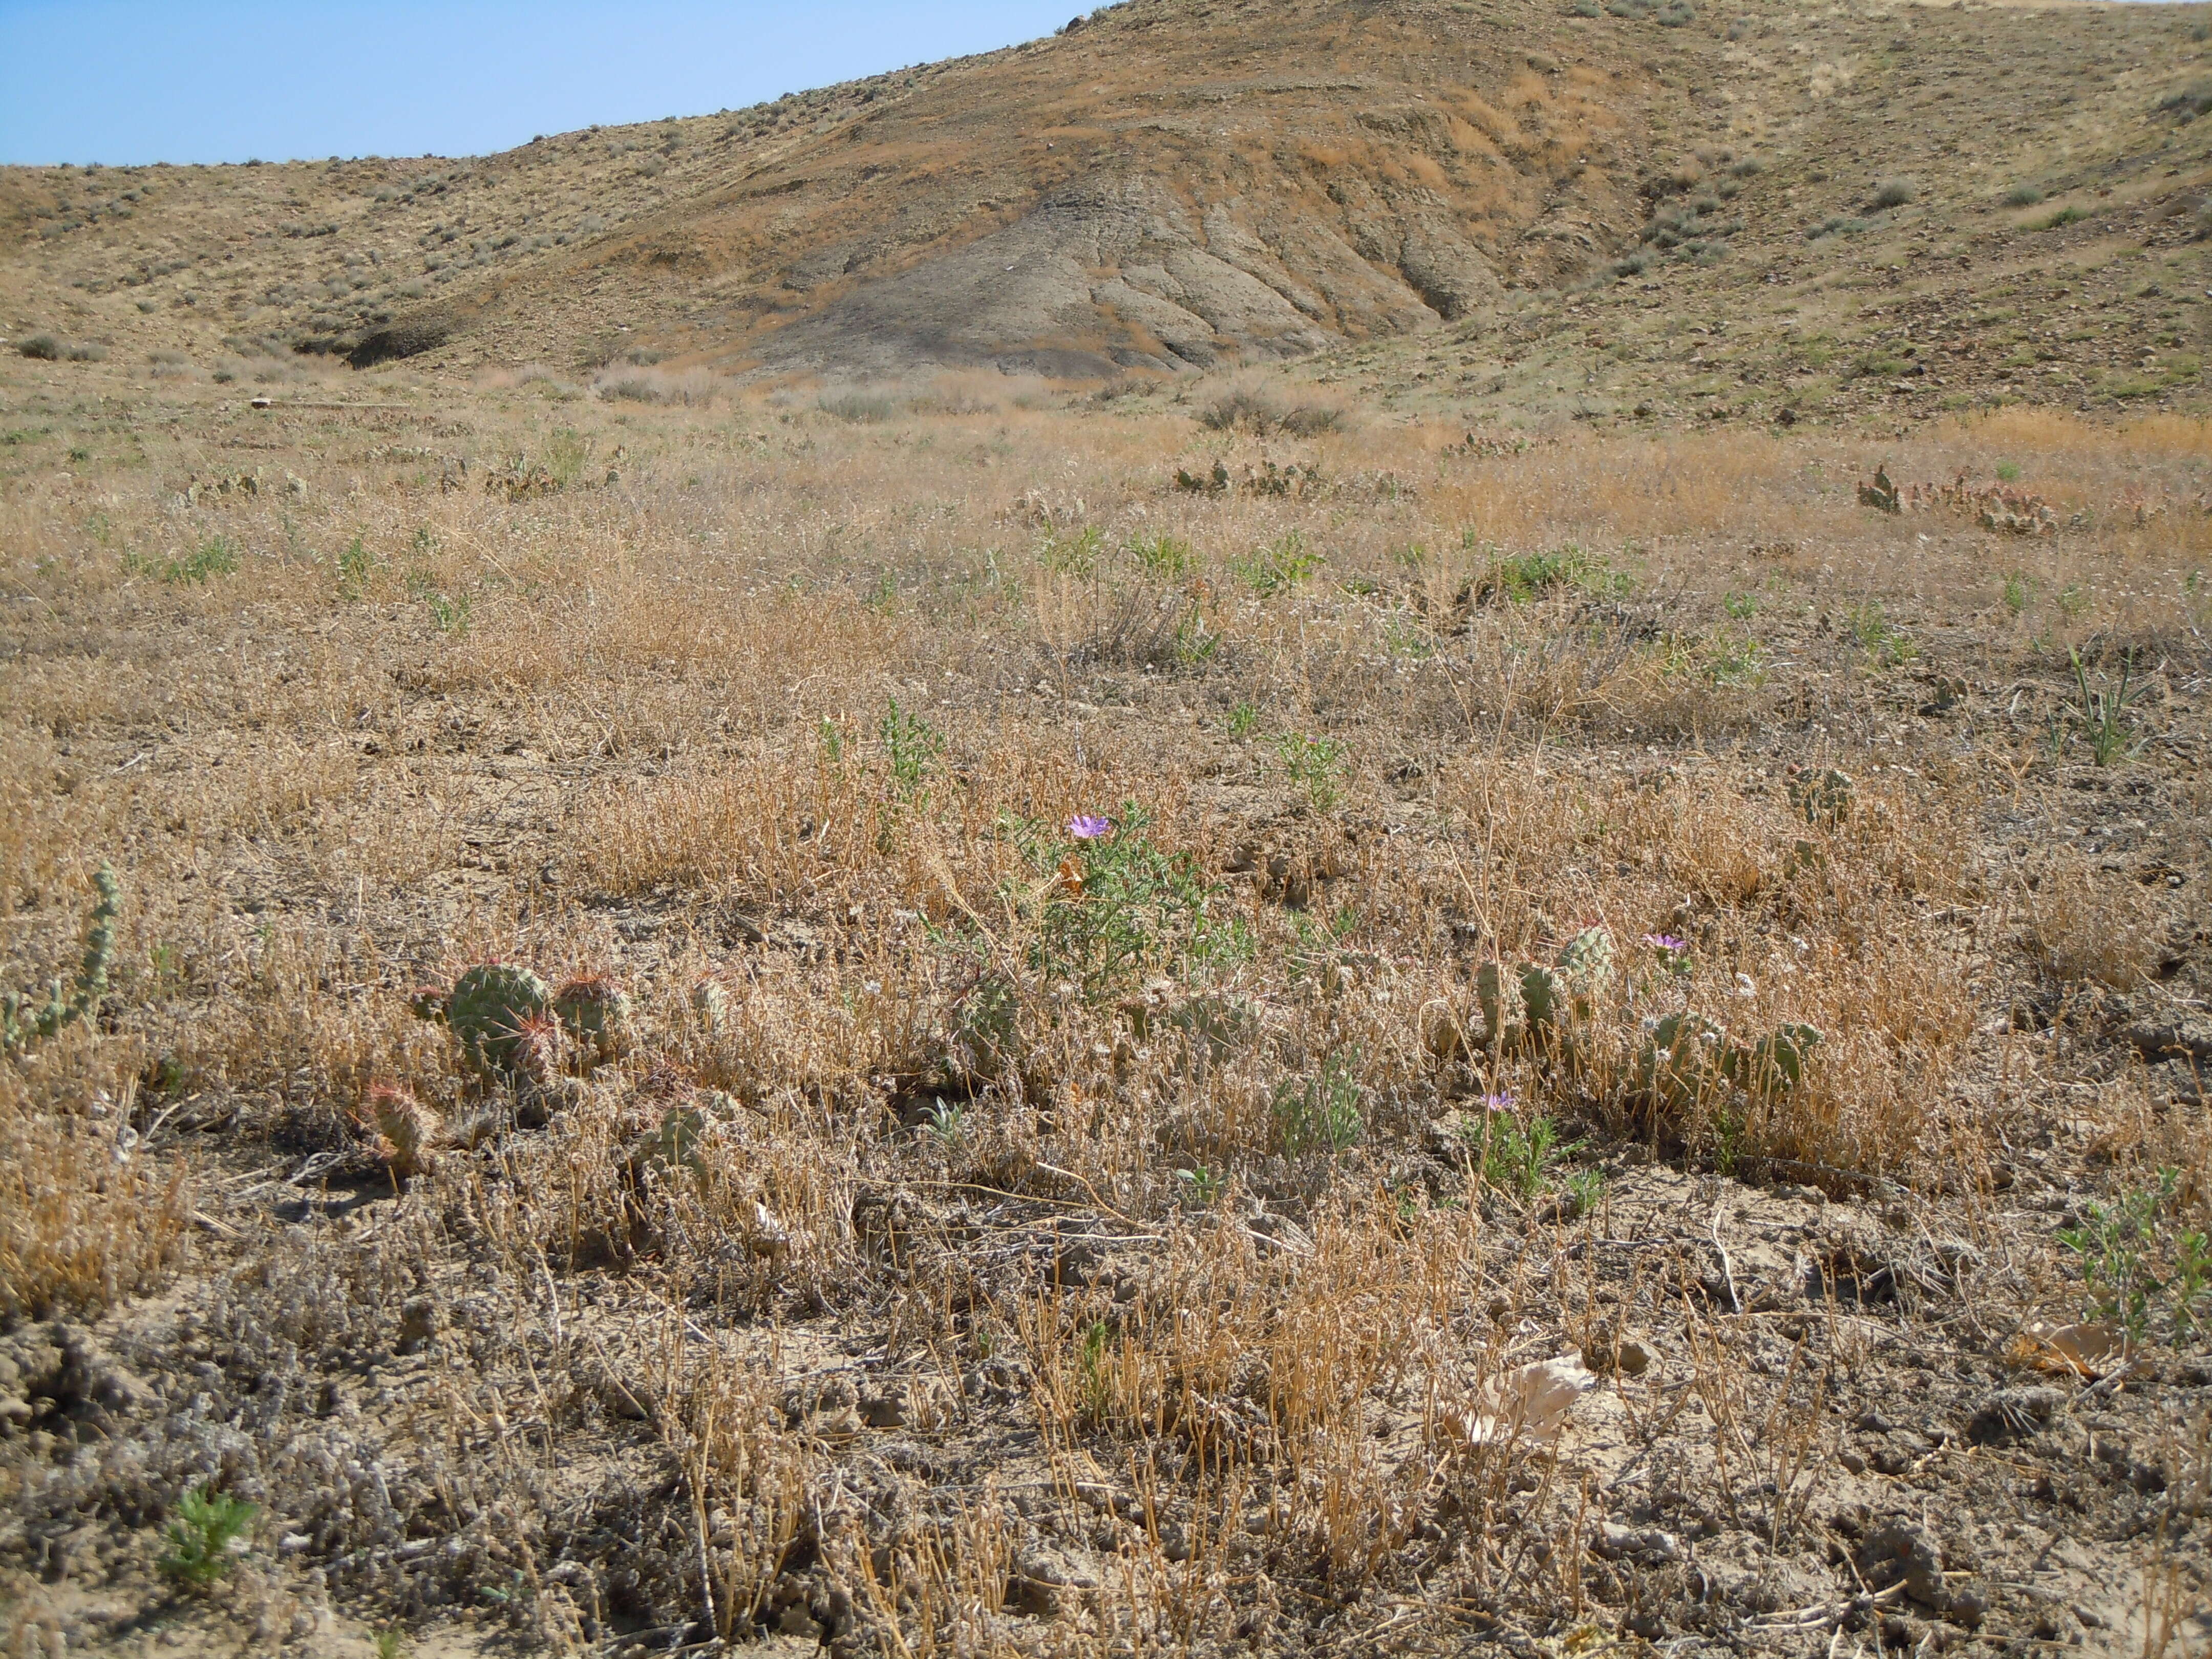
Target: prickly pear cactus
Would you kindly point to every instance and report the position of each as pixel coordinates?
(1681, 1058)
(1544, 996)
(1587, 959)
(1497, 993)
(487, 1008)
(711, 1001)
(596, 1014)
(1773, 1064)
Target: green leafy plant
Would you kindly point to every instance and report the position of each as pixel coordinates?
(1586, 1188)
(567, 453)
(1203, 1185)
(2101, 714)
(2116, 1247)
(215, 557)
(1517, 1158)
(1734, 659)
(1880, 638)
(24, 1021)
(912, 746)
(1314, 765)
(451, 613)
(943, 1120)
(1195, 644)
(1243, 720)
(356, 566)
(1277, 567)
(2019, 591)
(1094, 1381)
(1072, 552)
(1162, 557)
(1320, 1112)
(207, 1537)
(1742, 606)
(1519, 577)
(1112, 907)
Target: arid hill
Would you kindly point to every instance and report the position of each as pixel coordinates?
(1174, 186)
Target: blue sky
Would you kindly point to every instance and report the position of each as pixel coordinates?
(120, 81)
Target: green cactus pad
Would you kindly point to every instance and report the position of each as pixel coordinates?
(1543, 994)
(1587, 958)
(487, 1006)
(1774, 1064)
(596, 1014)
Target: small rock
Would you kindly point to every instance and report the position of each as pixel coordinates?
(1968, 1607)
(1900, 1552)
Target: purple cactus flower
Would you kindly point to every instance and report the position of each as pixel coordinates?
(1089, 826)
(1665, 942)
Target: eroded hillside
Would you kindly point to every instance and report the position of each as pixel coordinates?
(1174, 186)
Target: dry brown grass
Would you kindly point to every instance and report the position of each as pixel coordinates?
(1089, 1327)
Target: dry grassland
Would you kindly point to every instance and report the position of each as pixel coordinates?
(999, 1240)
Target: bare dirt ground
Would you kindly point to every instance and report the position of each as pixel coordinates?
(1623, 1070)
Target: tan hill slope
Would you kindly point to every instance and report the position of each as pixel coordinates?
(1176, 186)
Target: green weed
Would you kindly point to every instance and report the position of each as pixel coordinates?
(1115, 908)
(356, 566)
(1093, 1379)
(207, 1537)
(2102, 714)
(944, 1121)
(1520, 577)
(1277, 567)
(215, 557)
(2119, 1248)
(1203, 1185)
(1516, 1159)
(1319, 1113)
(1072, 553)
(1162, 557)
(912, 746)
(1882, 640)
(1314, 765)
